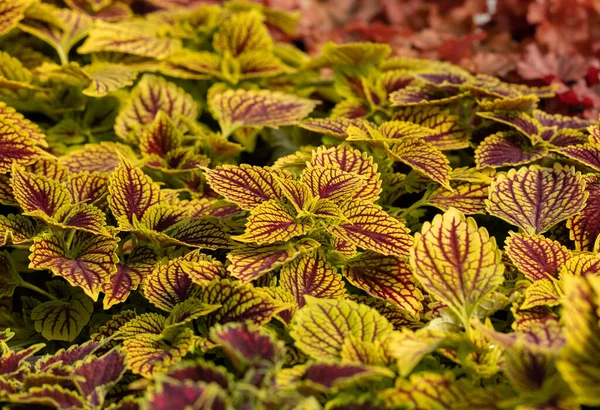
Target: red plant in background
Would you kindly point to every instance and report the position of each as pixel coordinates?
(534, 42)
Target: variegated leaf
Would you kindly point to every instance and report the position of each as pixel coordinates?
(311, 275)
(423, 157)
(245, 185)
(449, 132)
(250, 261)
(88, 261)
(537, 257)
(151, 95)
(130, 39)
(536, 198)
(369, 227)
(385, 277)
(322, 325)
(347, 159)
(507, 149)
(248, 108)
(272, 222)
(457, 262)
(131, 193)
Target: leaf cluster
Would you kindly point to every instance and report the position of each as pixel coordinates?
(195, 215)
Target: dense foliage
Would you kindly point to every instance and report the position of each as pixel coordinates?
(194, 214)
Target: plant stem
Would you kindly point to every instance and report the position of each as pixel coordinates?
(69, 238)
(38, 290)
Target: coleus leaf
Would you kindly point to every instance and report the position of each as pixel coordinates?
(245, 185)
(73, 27)
(336, 127)
(151, 95)
(103, 157)
(201, 62)
(352, 54)
(105, 332)
(187, 311)
(457, 262)
(204, 232)
(581, 265)
(239, 303)
(247, 346)
(15, 80)
(540, 293)
(106, 77)
(16, 146)
(333, 376)
(11, 12)
(139, 264)
(250, 261)
(88, 187)
(425, 390)
(423, 157)
(131, 39)
(299, 194)
(331, 183)
(161, 137)
(526, 103)
(242, 33)
(131, 193)
(560, 121)
(397, 316)
(263, 108)
(9, 278)
(311, 275)
(23, 124)
(49, 395)
(347, 159)
(67, 357)
(169, 285)
(182, 395)
(449, 133)
(369, 227)
(579, 359)
(13, 362)
(16, 229)
(63, 319)
(98, 375)
(146, 324)
(536, 198)
(587, 154)
(537, 257)
(87, 261)
(321, 326)
(506, 149)
(272, 222)
(467, 197)
(419, 95)
(47, 199)
(385, 277)
(147, 355)
(519, 120)
(200, 371)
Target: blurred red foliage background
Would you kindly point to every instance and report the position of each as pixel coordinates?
(529, 41)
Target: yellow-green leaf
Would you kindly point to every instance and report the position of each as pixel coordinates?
(272, 222)
(536, 198)
(322, 325)
(457, 262)
(263, 108)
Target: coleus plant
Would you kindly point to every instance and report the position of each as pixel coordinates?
(195, 215)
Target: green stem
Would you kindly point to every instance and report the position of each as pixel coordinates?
(416, 205)
(64, 60)
(69, 238)
(38, 290)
